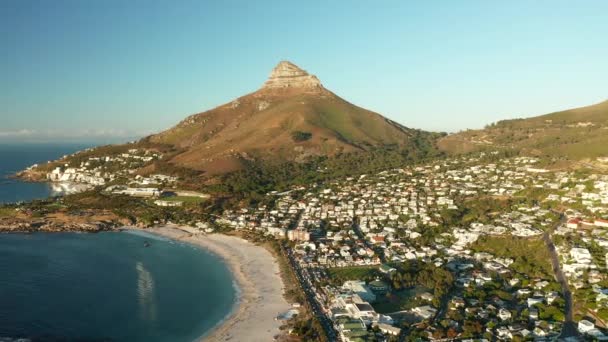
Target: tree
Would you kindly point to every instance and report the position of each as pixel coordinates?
(472, 328)
(397, 280)
(299, 136)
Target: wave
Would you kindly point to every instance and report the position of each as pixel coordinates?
(147, 235)
(146, 296)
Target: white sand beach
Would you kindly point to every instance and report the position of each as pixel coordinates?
(257, 274)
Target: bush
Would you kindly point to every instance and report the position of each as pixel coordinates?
(299, 136)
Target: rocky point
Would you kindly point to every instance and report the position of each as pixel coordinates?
(289, 75)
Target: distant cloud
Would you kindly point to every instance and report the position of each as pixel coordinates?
(17, 133)
(109, 133)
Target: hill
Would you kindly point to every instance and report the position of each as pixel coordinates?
(290, 128)
(290, 118)
(573, 134)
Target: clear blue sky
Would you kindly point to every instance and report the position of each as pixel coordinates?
(114, 68)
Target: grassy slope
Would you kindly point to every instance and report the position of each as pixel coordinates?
(555, 134)
(242, 129)
(7, 212)
(530, 255)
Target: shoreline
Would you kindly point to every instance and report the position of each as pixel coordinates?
(260, 288)
(45, 226)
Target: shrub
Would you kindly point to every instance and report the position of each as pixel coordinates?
(299, 136)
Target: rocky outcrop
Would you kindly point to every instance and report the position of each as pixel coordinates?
(31, 175)
(289, 75)
(43, 225)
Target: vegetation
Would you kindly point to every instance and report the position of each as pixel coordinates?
(189, 178)
(413, 274)
(397, 301)
(308, 329)
(550, 313)
(185, 199)
(7, 212)
(259, 178)
(485, 209)
(341, 274)
(299, 136)
(476, 210)
(530, 255)
(135, 210)
(572, 134)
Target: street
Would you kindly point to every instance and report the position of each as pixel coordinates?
(313, 303)
(569, 329)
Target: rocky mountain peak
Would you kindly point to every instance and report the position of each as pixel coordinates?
(289, 75)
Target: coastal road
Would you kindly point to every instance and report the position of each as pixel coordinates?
(569, 330)
(313, 303)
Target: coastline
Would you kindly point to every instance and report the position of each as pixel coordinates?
(260, 287)
(47, 226)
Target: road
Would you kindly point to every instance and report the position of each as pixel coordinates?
(315, 306)
(569, 330)
(355, 227)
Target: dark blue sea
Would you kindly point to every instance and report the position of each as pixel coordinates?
(109, 287)
(105, 286)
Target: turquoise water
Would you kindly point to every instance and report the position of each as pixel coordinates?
(14, 158)
(109, 287)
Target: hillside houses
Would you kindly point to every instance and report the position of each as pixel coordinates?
(389, 211)
(385, 218)
(99, 170)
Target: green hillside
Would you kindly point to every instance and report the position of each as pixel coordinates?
(573, 134)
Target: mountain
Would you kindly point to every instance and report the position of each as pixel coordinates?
(291, 117)
(574, 134)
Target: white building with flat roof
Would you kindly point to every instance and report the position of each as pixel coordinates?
(585, 326)
(581, 255)
(359, 288)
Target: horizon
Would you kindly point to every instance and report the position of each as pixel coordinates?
(112, 72)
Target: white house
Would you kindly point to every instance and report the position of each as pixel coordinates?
(389, 329)
(425, 311)
(359, 288)
(601, 223)
(581, 255)
(163, 203)
(504, 314)
(585, 326)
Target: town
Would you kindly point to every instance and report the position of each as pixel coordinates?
(118, 175)
(457, 248)
(449, 250)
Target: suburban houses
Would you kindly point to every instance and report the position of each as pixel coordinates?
(402, 216)
(452, 249)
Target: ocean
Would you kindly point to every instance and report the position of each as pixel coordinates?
(105, 286)
(14, 158)
(109, 287)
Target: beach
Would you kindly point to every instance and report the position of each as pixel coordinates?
(257, 275)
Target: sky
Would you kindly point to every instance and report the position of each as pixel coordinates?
(114, 70)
